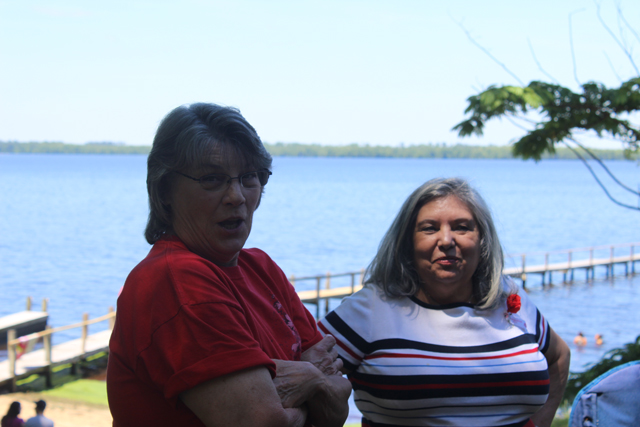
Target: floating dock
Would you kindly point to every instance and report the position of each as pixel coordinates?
(24, 323)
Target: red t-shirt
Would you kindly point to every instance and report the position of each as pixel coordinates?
(182, 320)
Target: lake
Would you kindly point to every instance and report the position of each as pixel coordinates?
(72, 227)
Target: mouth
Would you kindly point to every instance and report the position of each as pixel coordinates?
(231, 224)
(447, 260)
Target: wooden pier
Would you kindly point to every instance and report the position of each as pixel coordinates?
(45, 360)
(545, 264)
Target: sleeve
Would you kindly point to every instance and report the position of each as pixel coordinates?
(537, 323)
(350, 325)
(206, 338)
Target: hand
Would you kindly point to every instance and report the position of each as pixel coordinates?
(296, 382)
(324, 356)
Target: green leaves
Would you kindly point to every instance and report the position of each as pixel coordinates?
(596, 109)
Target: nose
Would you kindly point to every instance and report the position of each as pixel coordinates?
(233, 195)
(446, 239)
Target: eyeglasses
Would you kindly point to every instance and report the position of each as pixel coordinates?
(222, 181)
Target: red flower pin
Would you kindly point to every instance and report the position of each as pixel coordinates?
(513, 303)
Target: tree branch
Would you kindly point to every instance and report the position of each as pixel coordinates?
(601, 163)
(621, 16)
(598, 180)
(612, 68)
(626, 52)
(573, 53)
(482, 48)
(538, 63)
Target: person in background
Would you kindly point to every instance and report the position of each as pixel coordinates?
(11, 419)
(580, 340)
(39, 420)
(437, 335)
(208, 333)
(599, 340)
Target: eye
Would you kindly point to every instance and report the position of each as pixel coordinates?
(250, 179)
(464, 227)
(214, 178)
(427, 228)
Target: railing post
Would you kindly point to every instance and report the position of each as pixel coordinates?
(570, 268)
(362, 277)
(353, 282)
(292, 280)
(47, 357)
(45, 304)
(85, 332)
(11, 350)
(523, 276)
(633, 261)
(318, 298)
(611, 262)
(47, 346)
(29, 303)
(112, 320)
(327, 285)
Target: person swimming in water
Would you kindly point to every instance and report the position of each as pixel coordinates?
(580, 340)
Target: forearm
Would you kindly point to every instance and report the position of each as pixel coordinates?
(329, 406)
(242, 399)
(558, 374)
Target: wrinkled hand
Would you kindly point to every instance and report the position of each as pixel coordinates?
(295, 382)
(324, 356)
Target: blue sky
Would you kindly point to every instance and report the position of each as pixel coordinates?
(329, 72)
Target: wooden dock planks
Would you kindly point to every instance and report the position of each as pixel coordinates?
(67, 352)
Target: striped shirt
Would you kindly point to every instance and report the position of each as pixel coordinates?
(415, 364)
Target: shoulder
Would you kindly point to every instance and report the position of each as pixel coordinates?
(258, 266)
(364, 310)
(256, 259)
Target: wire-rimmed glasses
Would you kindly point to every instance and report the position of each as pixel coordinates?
(221, 181)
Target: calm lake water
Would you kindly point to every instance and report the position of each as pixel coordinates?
(71, 228)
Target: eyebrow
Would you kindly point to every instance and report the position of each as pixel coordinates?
(429, 221)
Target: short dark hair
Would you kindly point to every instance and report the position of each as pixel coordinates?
(40, 405)
(184, 139)
(393, 270)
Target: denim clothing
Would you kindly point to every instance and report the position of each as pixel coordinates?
(611, 400)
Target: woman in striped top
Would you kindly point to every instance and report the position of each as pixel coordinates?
(437, 336)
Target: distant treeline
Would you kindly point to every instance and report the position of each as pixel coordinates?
(433, 151)
(62, 148)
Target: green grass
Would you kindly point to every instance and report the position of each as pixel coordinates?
(91, 391)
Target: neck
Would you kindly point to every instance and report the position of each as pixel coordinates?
(453, 298)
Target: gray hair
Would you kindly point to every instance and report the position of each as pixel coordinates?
(393, 269)
(185, 138)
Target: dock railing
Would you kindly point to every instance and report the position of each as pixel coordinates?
(345, 288)
(516, 265)
(569, 260)
(13, 342)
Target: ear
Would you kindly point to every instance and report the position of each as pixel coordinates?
(165, 192)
